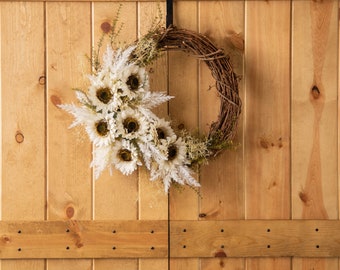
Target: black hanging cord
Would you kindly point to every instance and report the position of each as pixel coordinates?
(169, 12)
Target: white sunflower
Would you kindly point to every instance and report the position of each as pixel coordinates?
(106, 94)
(110, 86)
(154, 144)
(163, 129)
(175, 167)
(120, 68)
(102, 98)
(99, 130)
(133, 82)
(131, 124)
(125, 157)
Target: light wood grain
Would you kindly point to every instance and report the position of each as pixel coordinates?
(255, 238)
(153, 201)
(267, 109)
(69, 151)
(116, 195)
(84, 239)
(22, 111)
(314, 167)
(223, 179)
(314, 127)
(183, 84)
(34, 135)
(148, 239)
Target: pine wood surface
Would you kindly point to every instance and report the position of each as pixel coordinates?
(223, 180)
(314, 107)
(116, 196)
(188, 239)
(184, 203)
(153, 203)
(84, 239)
(69, 187)
(23, 125)
(286, 166)
(267, 112)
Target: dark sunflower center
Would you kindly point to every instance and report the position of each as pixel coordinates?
(101, 127)
(160, 133)
(172, 152)
(133, 82)
(104, 95)
(125, 155)
(131, 125)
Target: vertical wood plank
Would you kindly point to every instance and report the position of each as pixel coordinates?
(183, 109)
(223, 180)
(23, 118)
(116, 195)
(314, 121)
(267, 112)
(69, 152)
(153, 201)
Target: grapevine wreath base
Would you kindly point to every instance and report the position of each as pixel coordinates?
(116, 109)
(226, 80)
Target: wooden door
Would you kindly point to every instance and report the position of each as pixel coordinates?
(286, 54)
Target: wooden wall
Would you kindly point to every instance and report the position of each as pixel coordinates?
(285, 168)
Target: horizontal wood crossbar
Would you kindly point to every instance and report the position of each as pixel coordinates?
(149, 239)
(84, 239)
(256, 238)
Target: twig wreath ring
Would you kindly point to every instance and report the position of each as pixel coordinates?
(116, 109)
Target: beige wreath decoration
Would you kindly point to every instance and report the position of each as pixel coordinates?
(222, 131)
(116, 109)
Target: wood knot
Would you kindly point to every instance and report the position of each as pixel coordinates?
(42, 80)
(6, 239)
(55, 100)
(264, 143)
(315, 92)
(79, 244)
(76, 232)
(304, 197)
(70, 212)
(220, 253)
(268, 142)
(19, 137)
(106, 27)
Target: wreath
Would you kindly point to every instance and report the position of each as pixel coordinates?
(116, 109)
